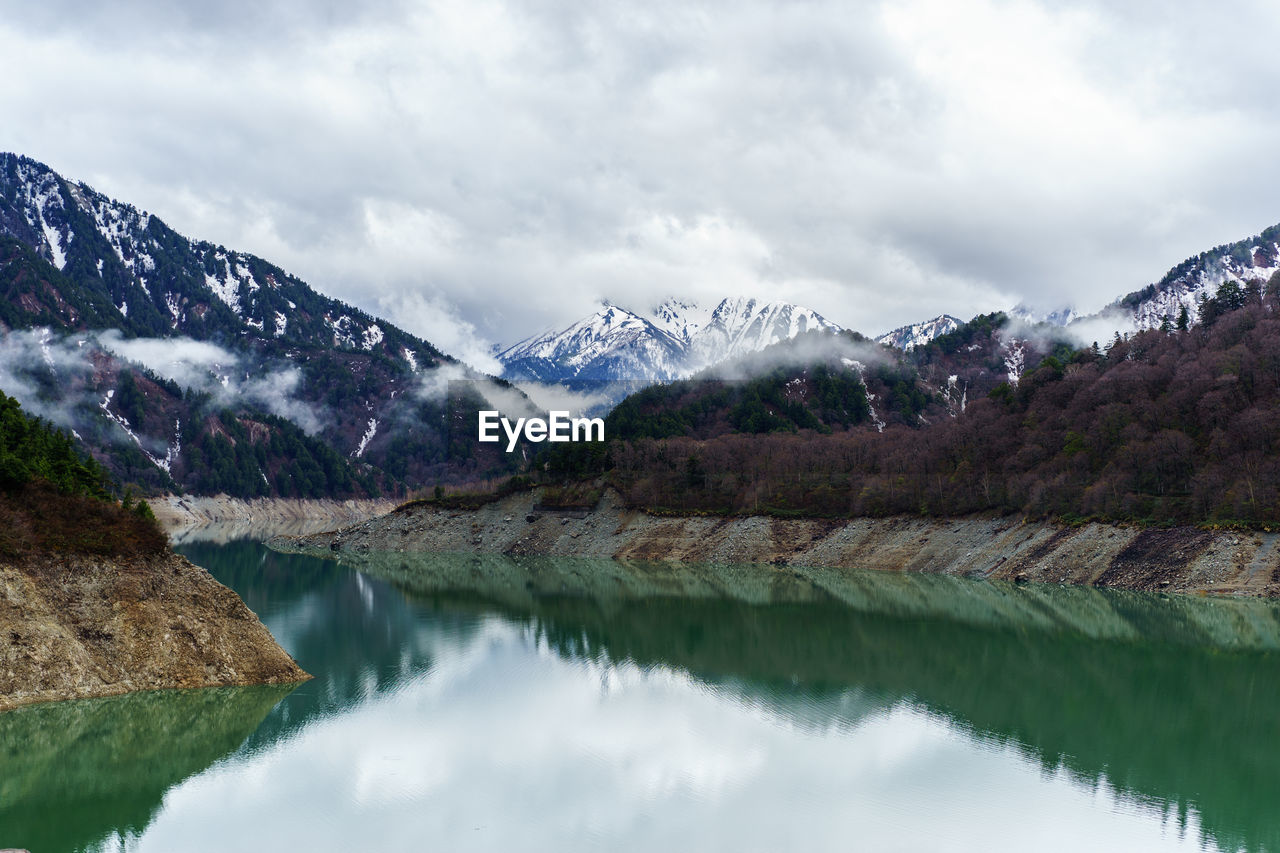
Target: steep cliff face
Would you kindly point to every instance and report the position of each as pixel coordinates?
(77, 626)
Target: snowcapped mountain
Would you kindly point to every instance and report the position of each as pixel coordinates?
(680, 318)
(739, 326)
(918, 334)
(162, 284)
(290, 392)
(675, 339)
(1256, 258)
(1060, 317)
(612, 344)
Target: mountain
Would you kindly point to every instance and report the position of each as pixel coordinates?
(186, 365)
(675, 339)
(740, 326)
(1253, 259)
(1164, 427)
(1060, 317)
(1199, 277)
(611, 345)
(918, 334)
(1194, 279)
(827, 381)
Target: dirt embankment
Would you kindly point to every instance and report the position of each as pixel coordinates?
(1174, 560)
(74, 626)
(174, 511)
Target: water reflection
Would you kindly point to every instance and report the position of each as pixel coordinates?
(1173, 701)
(356, 635)
(467, 702)
(74, 773)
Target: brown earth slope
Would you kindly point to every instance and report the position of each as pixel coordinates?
(74, 626)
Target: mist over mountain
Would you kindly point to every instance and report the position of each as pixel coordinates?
(1182, 289)
(184, 364)
(1199, 277)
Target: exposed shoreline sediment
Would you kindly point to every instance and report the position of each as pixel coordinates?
(193, 510)
(77, 627)
(1187, 560)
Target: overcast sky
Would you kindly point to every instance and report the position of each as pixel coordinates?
(480, 170)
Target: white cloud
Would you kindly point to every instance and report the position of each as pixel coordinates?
(432, 318)
(190, 363)
(484, 170)
(207, 367)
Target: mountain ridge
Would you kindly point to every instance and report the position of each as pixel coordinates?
(675, 339)
(250, 343)
(913, 335)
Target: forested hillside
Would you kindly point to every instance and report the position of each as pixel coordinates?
(830, 382)
(53, 498)
(1168, 426)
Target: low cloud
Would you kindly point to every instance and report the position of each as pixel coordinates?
(38, 368)
(26, 356)
(440, 384)
(811, 348)
(552, 397)
(203, 366)
(1101, 329)
(190, 363)
(275, 392)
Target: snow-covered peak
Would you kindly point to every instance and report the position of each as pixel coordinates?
(741, 325)
(919, 334)
(677, 338)
(680, 318)
(610, 335)
(39, 197)
(1057, 317)
(1256, 259)
(1200, 276)
(161, 282)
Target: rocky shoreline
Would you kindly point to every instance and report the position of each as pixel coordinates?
(193, 510)
(1185, 560)
(77, 627)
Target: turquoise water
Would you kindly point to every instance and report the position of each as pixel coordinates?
(465, 703)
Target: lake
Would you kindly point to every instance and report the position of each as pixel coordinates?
(480, 703)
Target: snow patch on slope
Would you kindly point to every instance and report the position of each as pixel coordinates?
(227, 289)
(171, 451)
(367, 437)
(1015, 357)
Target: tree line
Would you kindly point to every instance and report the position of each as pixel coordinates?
(1168, 426)
(53, 498)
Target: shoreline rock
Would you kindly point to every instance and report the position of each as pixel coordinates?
(74, 626)
(193, 510)
(1185, 560)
